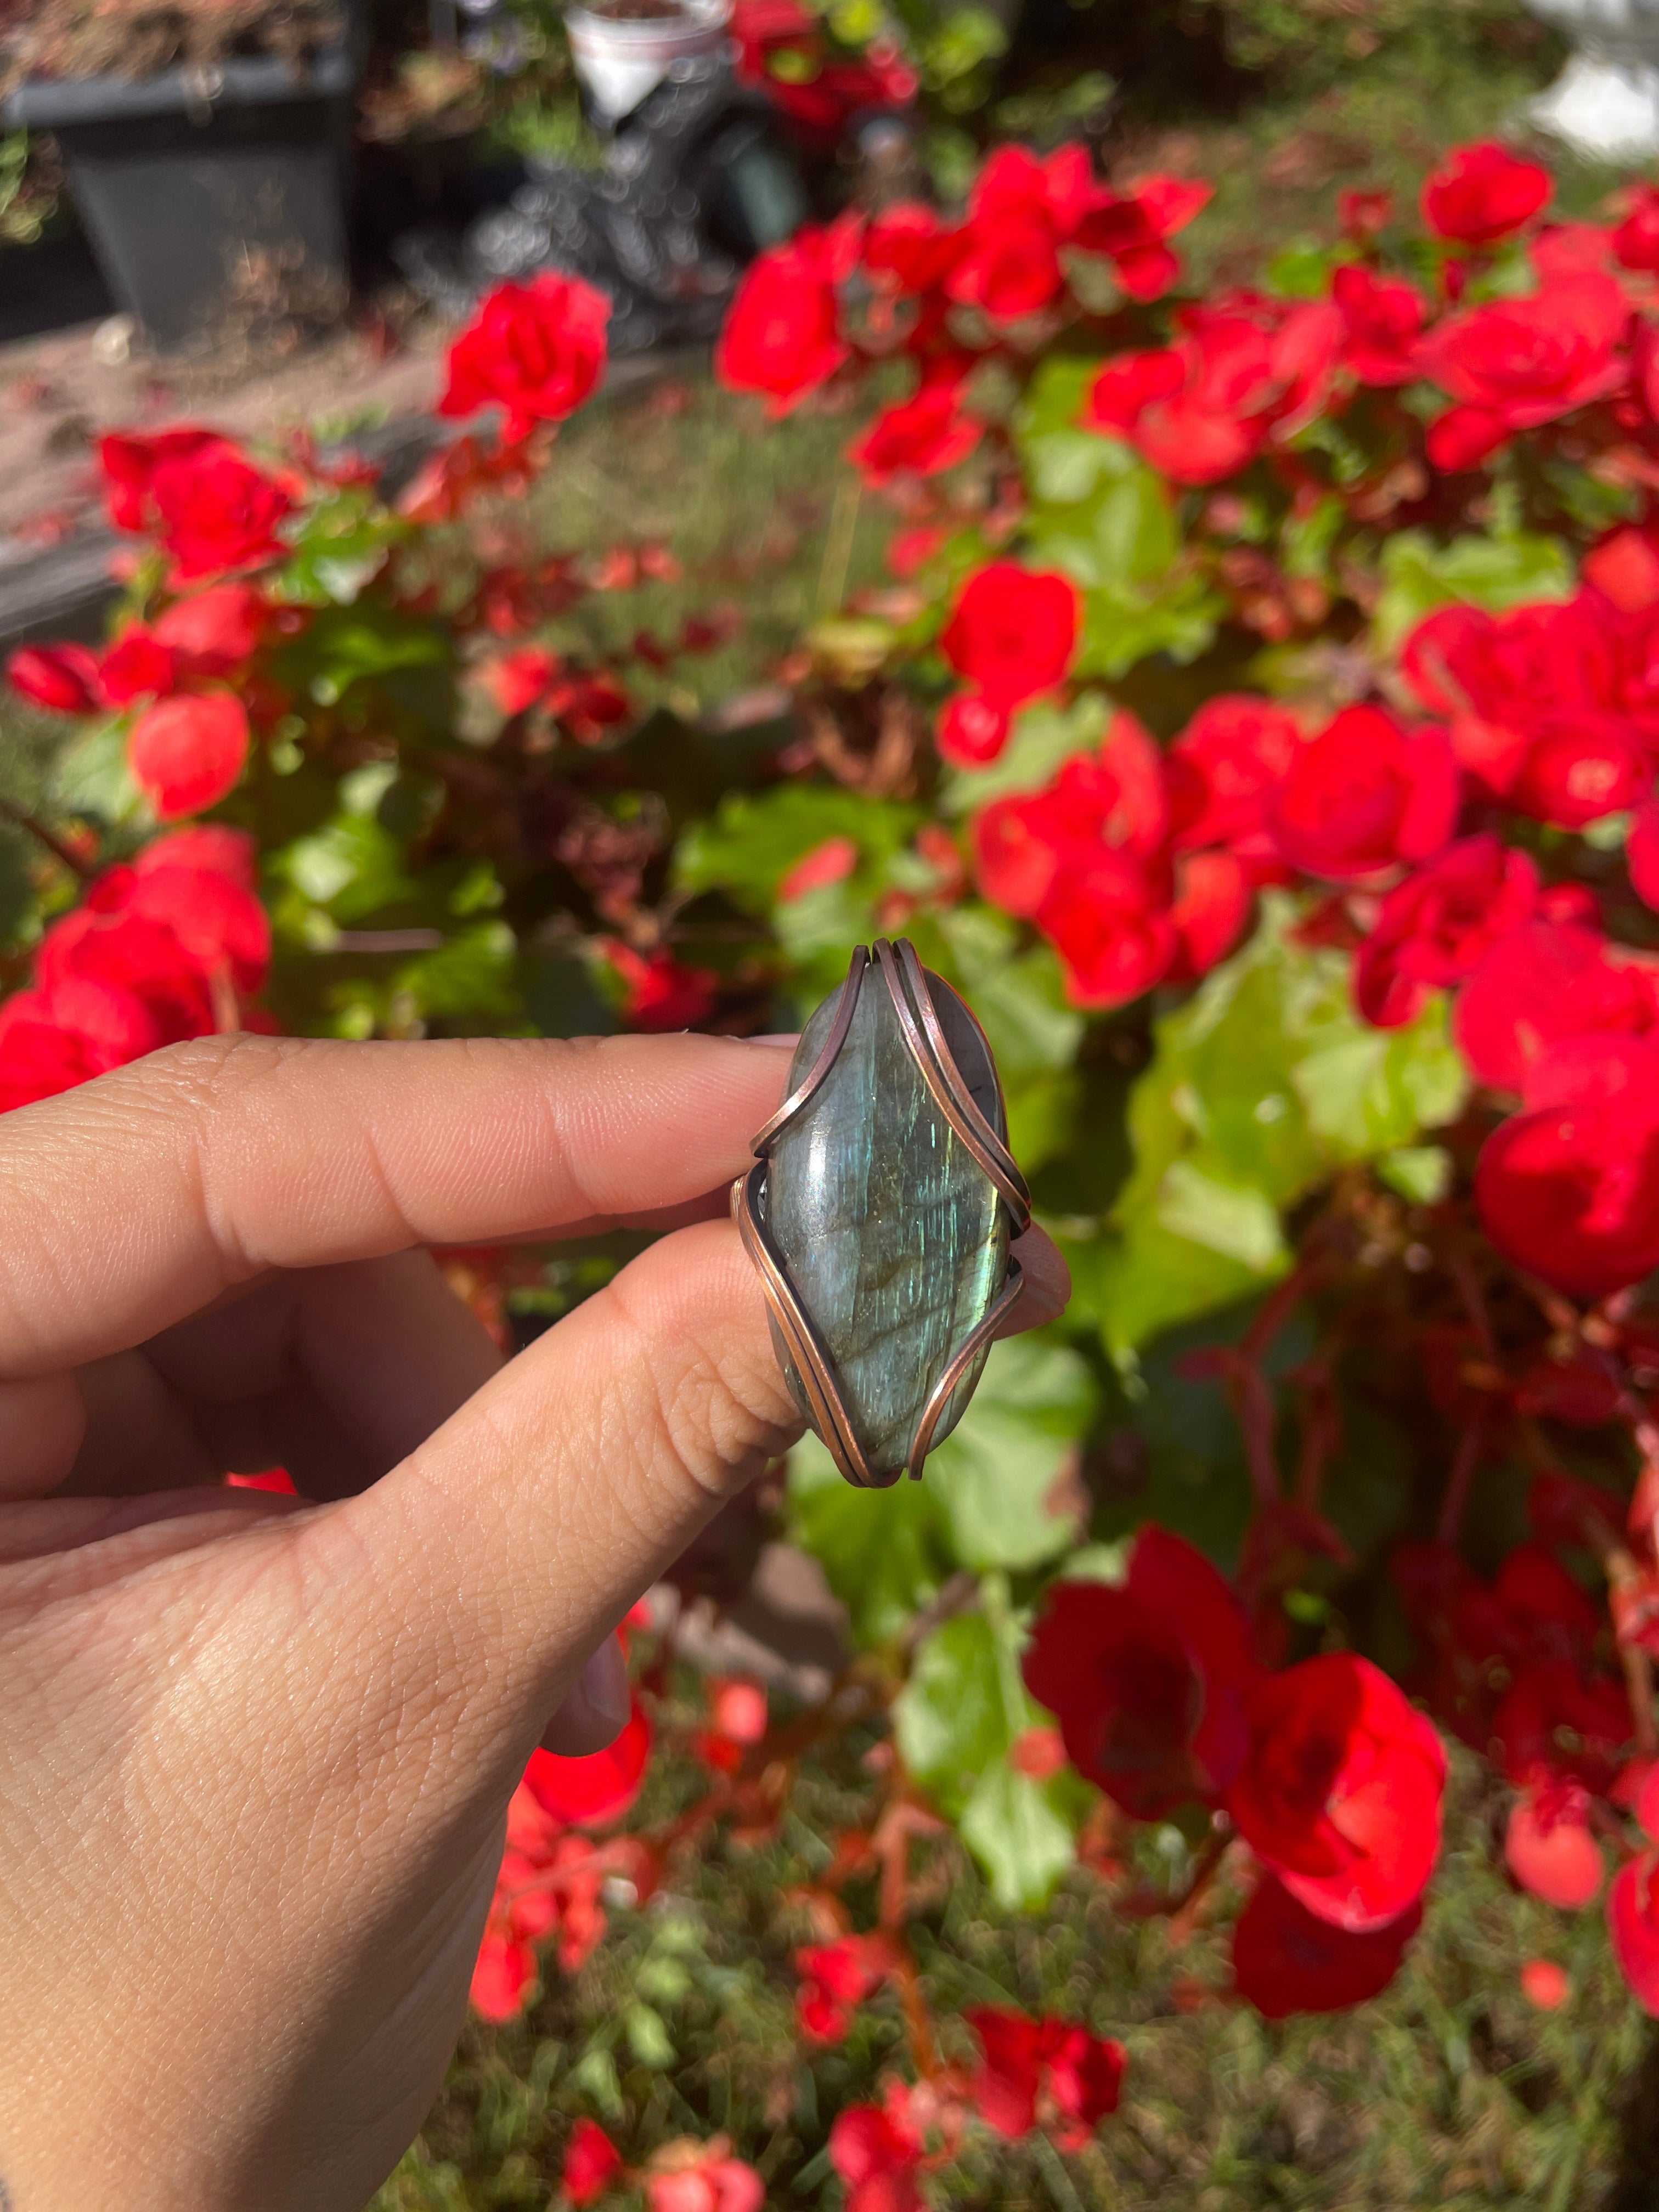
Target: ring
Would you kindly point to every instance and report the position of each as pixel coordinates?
(879, 1211)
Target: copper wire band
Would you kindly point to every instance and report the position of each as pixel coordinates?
(931, 1053)
(924, 1036)
(826, 1059)
(962, 1359)
(812, 1363)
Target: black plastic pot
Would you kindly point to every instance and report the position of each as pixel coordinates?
(215, 199)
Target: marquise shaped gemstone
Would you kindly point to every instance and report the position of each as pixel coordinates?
(894, 1236)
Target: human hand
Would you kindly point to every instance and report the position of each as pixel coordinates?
(256, 1752)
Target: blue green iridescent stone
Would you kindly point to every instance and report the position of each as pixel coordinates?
(894, 1239)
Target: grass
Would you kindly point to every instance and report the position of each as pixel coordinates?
(1450, 2091)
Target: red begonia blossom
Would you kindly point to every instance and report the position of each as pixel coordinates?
(781, 335)
(137, 665)
(1382, 319)
(1201, 409)
(1049, 2071)
(1133, 231)
(1545, 1984)
(835, 1979)
(831, 862)
(213, 632)
(64, 678)
(1559, 1721)
(919, 437)
(1548, 1846)
(1540, 985)
(1636, 238)
(1209, 911)
(1570, 1188)
(1482, 193)
(1515, 363)
(1437, 928)
(1642, 853)
(659, 991)
(502, 1975)
(187, 752)
(687, 2176)
(1364, 795)
(129, 463)
(877, 2151)
(1287, 1959)
(1633, 1927)
(971, 729)
(1221, 769)
(1148, 1679)
(1021, 211)
(592, 2162)
(216, 512)
(1340, 1791)
(1013, 631)
(1580, 767)
(593, 1790)
(536, 349)
(910, 249)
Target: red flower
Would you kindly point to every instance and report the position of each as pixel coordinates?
(1481, 193)
(537, 349)
(876, 2152)
(139, 665)
(599, 1787)
(919, 437)
(1516, 363)
(1286, 1960)
(1633, 1927)
(186, 753)
(1222, 768)
(1148, 1679)
(1636, 240)
(1051, 2069)
(1202, 408)
(692, 2177)
(130, 463)
(1570, 1189)
(1013, 631)
(1557, 1722)
(971, 729)
(907, 249)
(1211, 908)
(1578, 768)
(216, 512)
(1364, 795)
(831, 862)
(1020, 212)
(518, 680)
(1642, 853)
(1438, 926)
(1340, 1790)
(835, 1978)
(592, 2162)
(1540, 985)
(1545, 1985)
(502, 1976)
(660, 994)
(213, 632)
(61, 677)
(780, 336)
(1548, 1847)
(1382, 319)
(1134, 232)
(199, 884)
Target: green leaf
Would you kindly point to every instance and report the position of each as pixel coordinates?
(1421, 1173)
(999, 1471)
(351, 866)
(91, 776)
(1018, 1829)
(1494, 573)
(1261, 1085)
(469, 977)
(883, 1551)
(1042, 738)
(753, 841)
(1053, 399)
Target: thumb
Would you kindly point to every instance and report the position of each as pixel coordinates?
(511, 1542)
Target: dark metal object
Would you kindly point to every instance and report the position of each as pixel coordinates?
(696, 182)
(906, 982)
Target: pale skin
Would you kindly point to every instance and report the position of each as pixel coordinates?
(256, 1753)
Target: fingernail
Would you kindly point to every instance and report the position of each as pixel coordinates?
(780, 1036)
(604, 1683)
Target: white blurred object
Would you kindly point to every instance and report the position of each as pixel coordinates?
(1605, 103)
(621, 58)
(112, 341)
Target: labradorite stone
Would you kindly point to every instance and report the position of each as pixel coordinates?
(894, 1236)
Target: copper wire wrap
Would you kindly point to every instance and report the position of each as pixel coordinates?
(906, 982)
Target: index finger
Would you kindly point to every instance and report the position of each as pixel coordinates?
(135, 1200)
